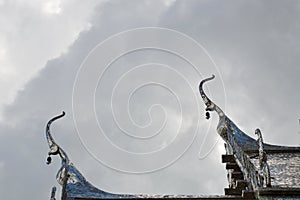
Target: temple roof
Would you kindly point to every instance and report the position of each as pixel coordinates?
(264, 167)
(282, 164)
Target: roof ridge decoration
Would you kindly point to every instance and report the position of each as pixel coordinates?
(224, 122)
(72, 181)
(210, 106)
(264, 168)
(75, 186)
(241, 146)
(247, 143)
(54, 148)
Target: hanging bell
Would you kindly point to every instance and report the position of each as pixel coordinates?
(49, 159)
(207, 115)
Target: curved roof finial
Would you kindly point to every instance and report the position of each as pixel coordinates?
(210, 106)
(54, 148)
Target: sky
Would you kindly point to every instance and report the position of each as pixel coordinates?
(126, 73)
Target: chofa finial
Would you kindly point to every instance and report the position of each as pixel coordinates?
(54, 148)
(210, 106)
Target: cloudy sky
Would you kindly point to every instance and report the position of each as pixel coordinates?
(135, 122)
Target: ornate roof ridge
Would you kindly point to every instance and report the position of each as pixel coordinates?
(248, 143)
(239, 146)
(75, 186)
(73, 182)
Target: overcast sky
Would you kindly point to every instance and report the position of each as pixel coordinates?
(138, 124)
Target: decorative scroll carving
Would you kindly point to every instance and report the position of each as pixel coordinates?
(236, 142)
(54, 148)
(264, 169)
(73, 182)
(210, 106)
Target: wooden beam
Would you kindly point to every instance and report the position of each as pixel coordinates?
(237, 175)
(228, 159)
(233, 166)
(230, 191)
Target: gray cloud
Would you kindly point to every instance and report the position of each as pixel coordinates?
(255, 45)
(32, 33)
